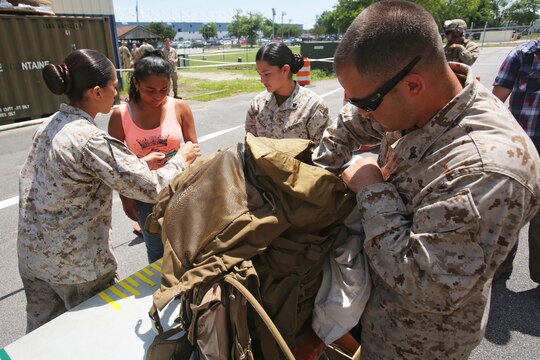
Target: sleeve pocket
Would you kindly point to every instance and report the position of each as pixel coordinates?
(444, 237)
(449, 214)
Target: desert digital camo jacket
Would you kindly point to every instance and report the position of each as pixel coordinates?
(342, 138)
(65, 190)
(457, 192)
(303, 115)
(466, 53)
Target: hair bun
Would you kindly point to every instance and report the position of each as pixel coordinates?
(156, 52)
(58, 78)
(298, 63)
(66, 76)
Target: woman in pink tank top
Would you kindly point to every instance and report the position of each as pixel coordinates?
(152, 125)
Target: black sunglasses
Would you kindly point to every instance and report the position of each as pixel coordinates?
(372, 102)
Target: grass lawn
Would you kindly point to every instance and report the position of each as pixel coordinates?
(204, 90)
(223, 56)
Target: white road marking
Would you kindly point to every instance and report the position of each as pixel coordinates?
(9, 202)
(331, 92)
(218, 133)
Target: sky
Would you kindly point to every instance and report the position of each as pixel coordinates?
(299, 12)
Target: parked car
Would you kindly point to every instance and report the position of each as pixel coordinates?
(227, 42)
(214, 42)
(198, 44)
(296, 41)
(184, 45)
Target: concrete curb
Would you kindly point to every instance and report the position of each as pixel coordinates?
(21, 124)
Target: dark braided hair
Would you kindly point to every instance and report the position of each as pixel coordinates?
(151, 63)
(279, 54)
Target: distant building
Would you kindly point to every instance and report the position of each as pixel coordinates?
(136, 33)
(190, 30)
(184, 30)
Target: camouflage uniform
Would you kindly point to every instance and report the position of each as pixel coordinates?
(172, 58)
(344, 130)
(135, 54)
(144, 48)
(457, 192)
(65, 189)
(125, 55)
(466, 53)
(303, 115)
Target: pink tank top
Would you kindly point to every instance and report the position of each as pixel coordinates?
(166, 138)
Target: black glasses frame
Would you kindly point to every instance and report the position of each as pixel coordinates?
(372, 102)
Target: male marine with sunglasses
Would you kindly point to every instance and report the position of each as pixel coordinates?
(456, 180)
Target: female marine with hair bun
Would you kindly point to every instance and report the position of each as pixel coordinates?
(65, 190)
(285, 109)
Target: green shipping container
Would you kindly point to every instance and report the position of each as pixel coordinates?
(27, 45)
(320, 50)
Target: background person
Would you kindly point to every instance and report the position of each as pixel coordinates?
(145, 47)
(125, 55)
(135, 54)
(458, 48)
(285, 109)
(65, 187)
(456, 180)
(518, 78)
(170, 55)
(153, 126)
(125, 61)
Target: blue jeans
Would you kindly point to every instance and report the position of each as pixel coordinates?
(154, 246)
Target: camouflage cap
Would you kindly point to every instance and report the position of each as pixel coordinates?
(455, 25)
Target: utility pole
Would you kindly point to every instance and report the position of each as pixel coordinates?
(283, 13)
(273, 22)
(137, 10)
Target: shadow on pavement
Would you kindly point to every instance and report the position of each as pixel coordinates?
(135, 241)
(512, 311)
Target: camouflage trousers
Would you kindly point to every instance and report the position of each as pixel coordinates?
(174, 81)
(45, 301)
(505, 269)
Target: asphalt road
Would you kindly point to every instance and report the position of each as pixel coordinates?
(514, 326)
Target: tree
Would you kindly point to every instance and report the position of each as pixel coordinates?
(523, 12)
(247, 25)
(487, 12)
(325, 23)
(291, 30)
(235, 25)
(209, 30)
(161, 30)
(346, 11)
(267, 28)
(250, 26)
